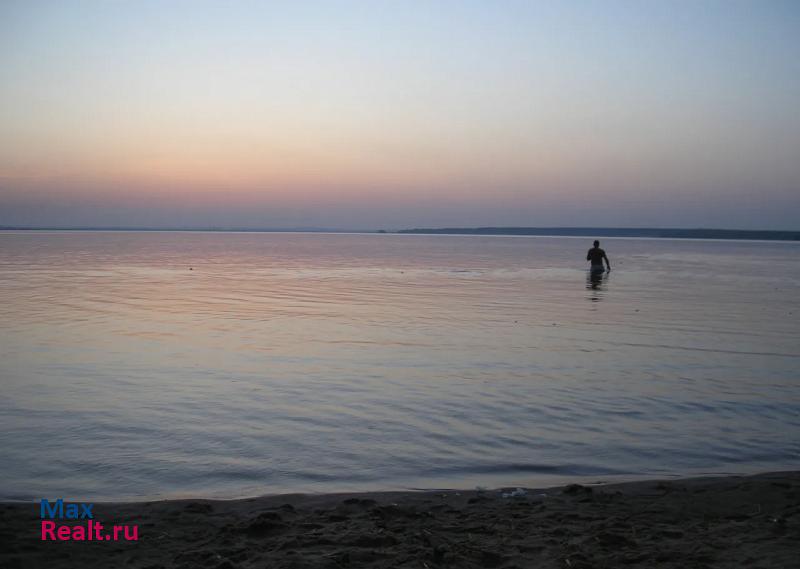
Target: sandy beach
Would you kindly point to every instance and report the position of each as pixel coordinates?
(749, 521)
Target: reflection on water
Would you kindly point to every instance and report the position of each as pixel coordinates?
(291, 362)
(594, 283)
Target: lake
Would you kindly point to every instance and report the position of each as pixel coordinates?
(163, 364)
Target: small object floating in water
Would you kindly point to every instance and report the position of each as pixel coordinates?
(190, 268)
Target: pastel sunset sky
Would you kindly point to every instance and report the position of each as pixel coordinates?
(379, 114)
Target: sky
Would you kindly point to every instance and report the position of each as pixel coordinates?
(388, 114)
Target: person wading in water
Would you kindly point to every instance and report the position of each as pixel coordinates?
(596, 255)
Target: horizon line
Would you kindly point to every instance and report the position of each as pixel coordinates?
(555, 231)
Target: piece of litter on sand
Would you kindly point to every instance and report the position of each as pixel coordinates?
(518, 493)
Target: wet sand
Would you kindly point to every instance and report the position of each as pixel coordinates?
(688, 523)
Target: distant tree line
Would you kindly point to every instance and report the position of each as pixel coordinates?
(668, 233)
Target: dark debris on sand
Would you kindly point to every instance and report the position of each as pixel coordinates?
(698, 523)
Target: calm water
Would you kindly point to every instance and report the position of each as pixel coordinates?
(310, 362)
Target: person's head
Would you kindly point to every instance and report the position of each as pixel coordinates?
(596, 243)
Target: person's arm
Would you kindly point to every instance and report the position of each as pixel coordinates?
(589, 255)
(608, 263)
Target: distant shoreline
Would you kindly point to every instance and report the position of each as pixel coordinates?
(662, 233)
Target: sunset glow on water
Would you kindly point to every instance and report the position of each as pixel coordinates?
(234, 364)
